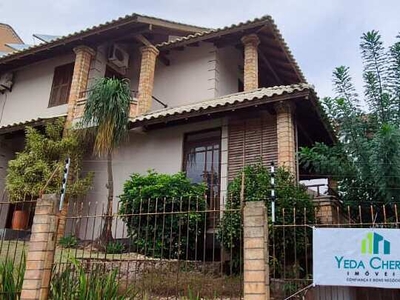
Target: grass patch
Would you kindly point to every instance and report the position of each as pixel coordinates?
(151, 278)
(170, 283)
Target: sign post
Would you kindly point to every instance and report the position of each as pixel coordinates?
(273, 196)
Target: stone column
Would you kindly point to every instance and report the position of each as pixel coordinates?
(286, 136)
(146, 78)
(80, 77)
(251, 43)
(40, 256)
(256, 267)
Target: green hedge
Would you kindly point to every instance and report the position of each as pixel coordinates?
(146, 205)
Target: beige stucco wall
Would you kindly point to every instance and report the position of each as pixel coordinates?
(98, 65)
(190, 77)
(229, 66)
(30, 94)
(194, 74)
(160, 150)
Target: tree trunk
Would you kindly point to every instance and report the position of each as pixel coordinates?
(106, 234)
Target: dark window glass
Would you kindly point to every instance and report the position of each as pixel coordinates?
(240, 86)
(202, 162)
(61, 85)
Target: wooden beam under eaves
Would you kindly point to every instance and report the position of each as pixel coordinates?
(164, 59)
(143, 40)
(269, 66)
(196, 44)
(146, 42)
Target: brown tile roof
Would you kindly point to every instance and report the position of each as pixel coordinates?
(204, 35)
(225, 101)
(132, 18)
(32, 122)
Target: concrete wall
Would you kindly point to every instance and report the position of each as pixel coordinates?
(160, 150)
(191, 76)
(229, 64)
(98, 65)
(195, 74)
(30, 95)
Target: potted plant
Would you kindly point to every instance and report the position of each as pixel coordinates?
(38, 169)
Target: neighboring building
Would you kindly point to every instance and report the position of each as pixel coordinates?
(231, 96)
(8, 36)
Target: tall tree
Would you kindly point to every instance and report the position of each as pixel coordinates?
(366, 160)
(106, 118)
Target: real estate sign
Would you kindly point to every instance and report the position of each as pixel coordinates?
(365, 257)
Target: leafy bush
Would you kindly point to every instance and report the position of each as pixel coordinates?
(257, 188)
(75, 283)
(44, 153)
(68, 241)
(147, 202)
(11, 279)
(115, 247)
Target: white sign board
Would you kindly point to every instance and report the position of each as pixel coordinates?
(364, 257)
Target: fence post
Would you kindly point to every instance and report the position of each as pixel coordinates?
(256, 268)
(40, 257)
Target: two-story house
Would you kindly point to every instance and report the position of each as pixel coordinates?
(232, 96)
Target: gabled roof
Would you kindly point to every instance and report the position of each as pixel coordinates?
(271, 35)
(101, 28)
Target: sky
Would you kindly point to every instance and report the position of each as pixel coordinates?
(322, 34)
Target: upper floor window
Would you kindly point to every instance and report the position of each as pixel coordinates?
(61, 84)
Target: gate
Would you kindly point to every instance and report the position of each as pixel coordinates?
(290, 248)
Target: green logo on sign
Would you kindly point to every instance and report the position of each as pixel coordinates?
(370, 245)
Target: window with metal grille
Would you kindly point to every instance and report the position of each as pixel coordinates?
(202, 162)
(61, 85)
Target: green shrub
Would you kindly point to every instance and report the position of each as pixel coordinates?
(76, 283)
(30, 172)
(11, 279)
(257, 187)
(115, 247)
(68, 241)
(148, 200)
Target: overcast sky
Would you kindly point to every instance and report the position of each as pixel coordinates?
(322, 34)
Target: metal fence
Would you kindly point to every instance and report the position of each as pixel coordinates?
(160, 249)
(173, 248)
(290, 249)
(15, 222)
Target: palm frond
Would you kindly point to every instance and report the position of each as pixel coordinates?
(106, 114)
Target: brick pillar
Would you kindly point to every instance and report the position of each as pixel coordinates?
(146, 78)
(256, 266)
(329, 210)
(40, 255)
(251, 43)
(80, 77)
(286, 136)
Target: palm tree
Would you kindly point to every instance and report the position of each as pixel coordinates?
(106, 118)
